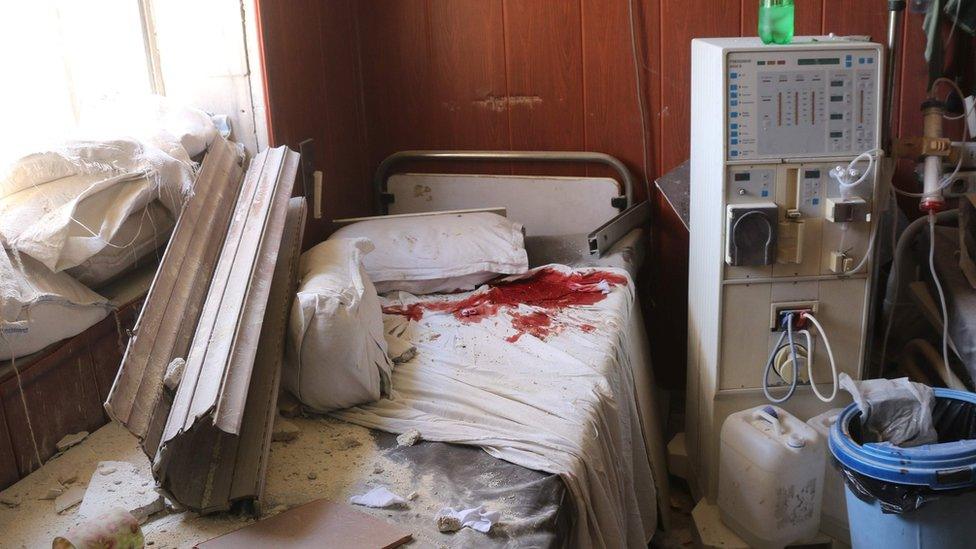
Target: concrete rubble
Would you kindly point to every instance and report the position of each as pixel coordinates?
(119, 484)
(71, 497)
(409, 438)
(70, 440)
(284, 431)
(174, 374)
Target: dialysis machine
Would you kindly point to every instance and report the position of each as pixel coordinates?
(773, 231)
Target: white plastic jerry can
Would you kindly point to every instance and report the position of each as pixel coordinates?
(770, 477)
(833, 517)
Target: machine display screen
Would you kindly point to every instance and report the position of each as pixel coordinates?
(784, 103)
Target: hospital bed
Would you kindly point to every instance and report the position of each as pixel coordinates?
(575, 221)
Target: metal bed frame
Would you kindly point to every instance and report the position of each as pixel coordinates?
(599, 240)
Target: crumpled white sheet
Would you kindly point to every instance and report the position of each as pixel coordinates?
(897, 411)
(565, 405)
(476, 518)
(379, 497)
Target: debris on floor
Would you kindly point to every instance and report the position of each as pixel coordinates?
(379, 497)
(70, 440)
(284, 430)
(320, 523)
(476, 518)
(409, 438)
(71, 497)
(9, 502)
(448, 523)
(119, 484)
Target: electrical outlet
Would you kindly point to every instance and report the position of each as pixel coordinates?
(777, 311)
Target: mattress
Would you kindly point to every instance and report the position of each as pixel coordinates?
(537, 371)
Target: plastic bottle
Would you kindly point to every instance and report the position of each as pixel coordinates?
(776, 21)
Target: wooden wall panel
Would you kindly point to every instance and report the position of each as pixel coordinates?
(613, 119)
(313, 87)
(680, 22)
(543, 68)
(856, 17)
(466, 82)
(342, 155)
(808, 17)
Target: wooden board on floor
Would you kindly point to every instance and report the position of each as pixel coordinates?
(320, 523)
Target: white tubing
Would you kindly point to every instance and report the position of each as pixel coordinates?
(942, 299)
(769, 366)
(830, 356)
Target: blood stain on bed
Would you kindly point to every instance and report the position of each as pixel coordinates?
(548, 289)
(538, 324)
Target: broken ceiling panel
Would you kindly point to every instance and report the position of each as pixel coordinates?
(216, 440)
(176, 296)
(220, 302)
(218, 367)
(207, 469)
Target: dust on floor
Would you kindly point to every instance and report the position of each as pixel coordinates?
(330, 459)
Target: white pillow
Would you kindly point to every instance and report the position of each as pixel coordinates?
(335, 355)
(440, 253)
(38, 307)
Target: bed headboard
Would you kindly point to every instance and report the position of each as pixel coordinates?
(599, 210)
(622, 201)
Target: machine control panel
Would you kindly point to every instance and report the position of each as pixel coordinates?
(801, 103)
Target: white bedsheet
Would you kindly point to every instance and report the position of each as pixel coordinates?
(557, 398)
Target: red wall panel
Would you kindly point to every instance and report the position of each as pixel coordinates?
(544, 85)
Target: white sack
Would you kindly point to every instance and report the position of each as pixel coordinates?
(440, 253)
(336, 353)
(897, 411)
(51, 203)
(152, 118)
(140, 235)
(38, 307)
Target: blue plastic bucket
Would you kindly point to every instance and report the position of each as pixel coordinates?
(912, 497)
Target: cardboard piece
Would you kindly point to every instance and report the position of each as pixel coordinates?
(317, 524)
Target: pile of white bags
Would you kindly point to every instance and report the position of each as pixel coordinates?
(86, 212)
(64, 206)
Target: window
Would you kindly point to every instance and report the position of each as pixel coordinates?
(63, 58)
